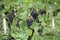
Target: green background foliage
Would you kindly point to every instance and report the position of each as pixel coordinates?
(22, 6)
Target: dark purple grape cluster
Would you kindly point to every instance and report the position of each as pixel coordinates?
(17, 24)
(29, 22)
(33, 13)
(10, 15)
(40, 31)
(55, 12)
(41, 12)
